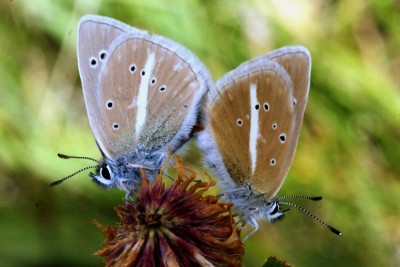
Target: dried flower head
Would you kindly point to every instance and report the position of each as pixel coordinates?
(175, 226)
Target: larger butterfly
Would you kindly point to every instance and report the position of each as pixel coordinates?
(142, 93)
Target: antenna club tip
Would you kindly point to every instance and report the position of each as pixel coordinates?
(55, 183)
(316, 198)
(62, 156)
(335, 231)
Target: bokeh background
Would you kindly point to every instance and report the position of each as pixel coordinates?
(349, 148)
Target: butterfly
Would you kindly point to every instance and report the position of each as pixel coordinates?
(143, 95)
(253, 119)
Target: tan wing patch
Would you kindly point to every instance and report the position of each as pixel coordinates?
(170, 98)
(167, 83)
(230, 126)
(230, 120)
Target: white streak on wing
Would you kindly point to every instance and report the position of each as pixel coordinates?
(254, 131)
(142, 94)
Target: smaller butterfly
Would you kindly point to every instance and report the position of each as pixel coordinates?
(253, 121)
(142, 93)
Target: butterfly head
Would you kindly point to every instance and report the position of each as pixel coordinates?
(251, 204)
(104, 176)
(271, 210)
(110, 174)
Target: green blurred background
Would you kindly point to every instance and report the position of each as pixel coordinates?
(348, 150)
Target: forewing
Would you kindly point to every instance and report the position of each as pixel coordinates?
(155, 87)
(250, 110)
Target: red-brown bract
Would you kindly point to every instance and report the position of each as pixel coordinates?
(173, 226)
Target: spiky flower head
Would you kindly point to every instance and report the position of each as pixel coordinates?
(178, 225)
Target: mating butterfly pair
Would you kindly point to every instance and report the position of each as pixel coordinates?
(144, 93)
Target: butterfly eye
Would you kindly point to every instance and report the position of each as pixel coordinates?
(274, 126)
(239, 122)
(105, 172)
(163, 88)
(276, 209)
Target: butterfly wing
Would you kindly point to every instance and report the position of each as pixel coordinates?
(145, 94)
(95, 35)
(253, 121)
(252, 99)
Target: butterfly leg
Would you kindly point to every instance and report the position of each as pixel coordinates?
(246, 188)
(161, 158)
(170, 177)
(231, 192)
(126, 189)
(139, 166)
(254, 224)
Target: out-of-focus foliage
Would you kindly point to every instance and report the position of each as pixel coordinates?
(349, 148)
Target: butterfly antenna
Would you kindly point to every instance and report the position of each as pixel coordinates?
(69, 176)
(304, 197)
(76, 157)
(333, 230)
(170, 177)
